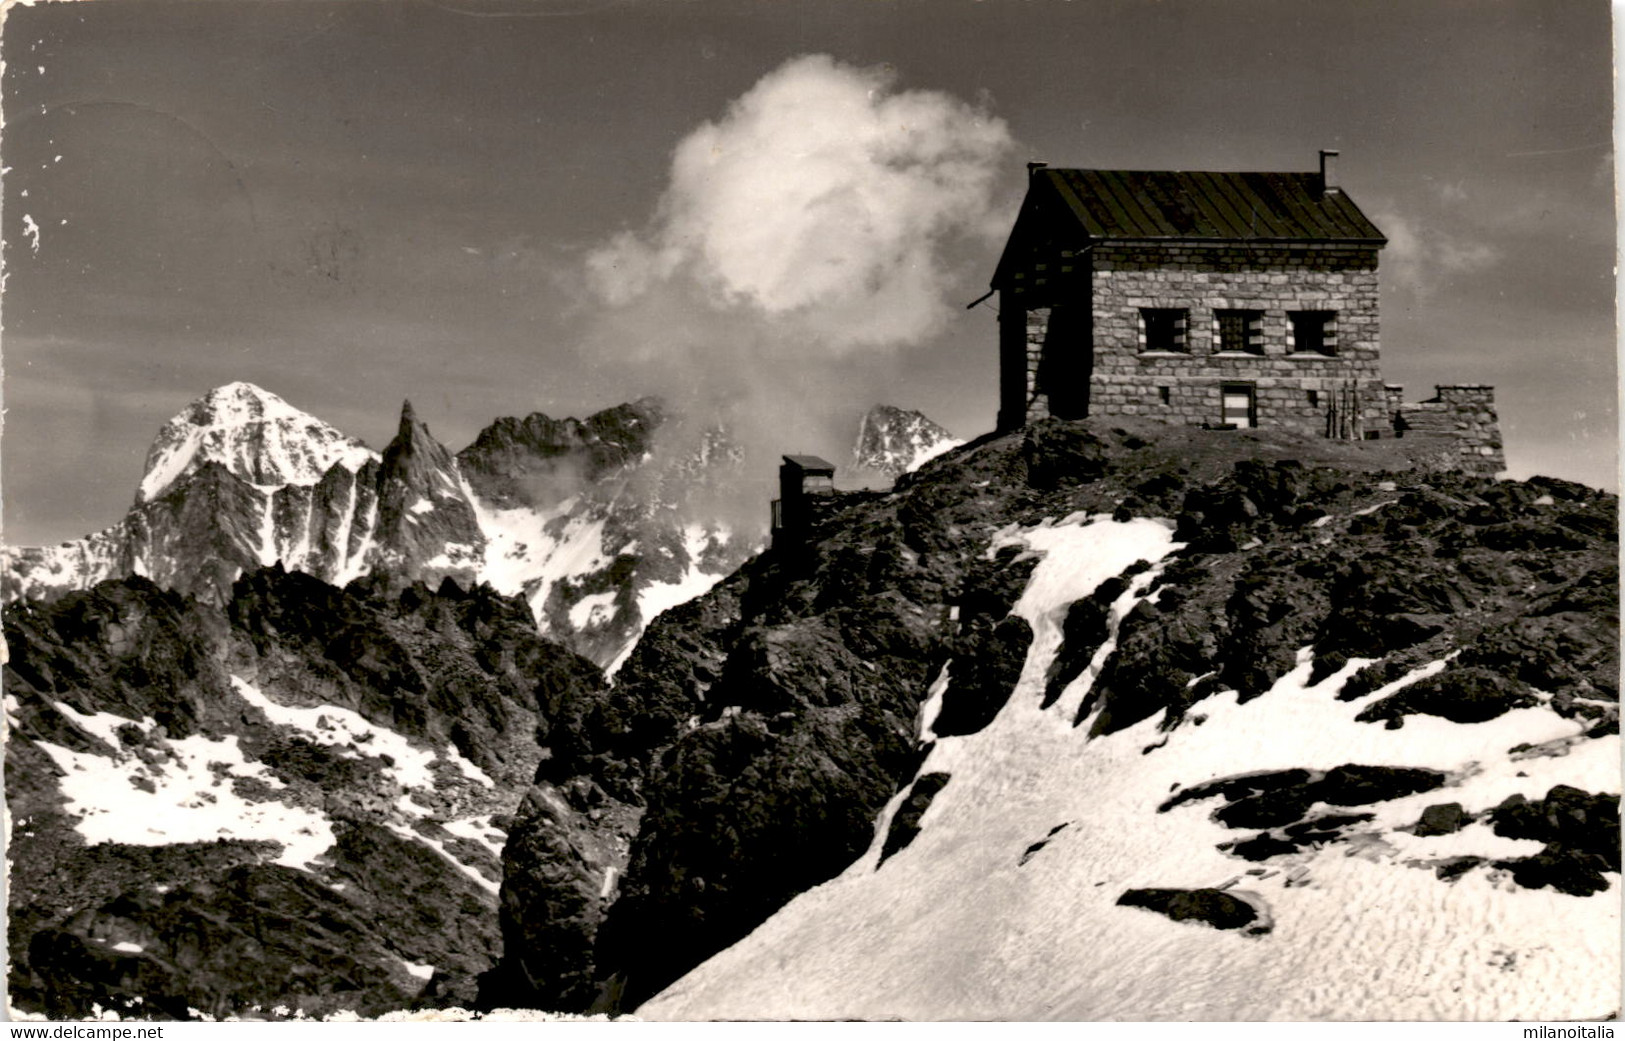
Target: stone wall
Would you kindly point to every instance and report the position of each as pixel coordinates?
(1293, 388)
(1463, 419)
(1036, 398)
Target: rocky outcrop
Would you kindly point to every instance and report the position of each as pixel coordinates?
(539, 461)
(905, 825)
(426, 528)
(1212, 907)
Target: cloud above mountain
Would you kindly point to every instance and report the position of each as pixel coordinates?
(819, 205)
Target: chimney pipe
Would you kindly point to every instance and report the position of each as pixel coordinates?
(1328, 171)
(1033, 168)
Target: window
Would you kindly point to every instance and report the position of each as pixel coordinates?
(1313, 332)
(1314, 399)
(1163, 328)
(1164, 393)
(1237, 405)
(1239, 332)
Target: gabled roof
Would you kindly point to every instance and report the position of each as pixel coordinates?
(1171, 204)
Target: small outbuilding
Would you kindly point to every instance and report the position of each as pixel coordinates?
(804, 480)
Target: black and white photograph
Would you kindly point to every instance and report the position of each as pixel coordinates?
(845, 510)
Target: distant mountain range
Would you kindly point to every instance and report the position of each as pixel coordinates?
(599, 524)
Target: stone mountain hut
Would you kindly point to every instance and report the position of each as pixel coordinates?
(1217, 299)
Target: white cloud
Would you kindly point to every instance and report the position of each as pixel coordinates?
(818, 204)
(1423, 258)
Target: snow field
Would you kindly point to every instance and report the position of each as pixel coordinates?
(175, 791)
(536, 549)
(192, 798)
(953, 927)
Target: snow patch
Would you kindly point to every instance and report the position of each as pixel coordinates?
(353, 733)
(595, 609)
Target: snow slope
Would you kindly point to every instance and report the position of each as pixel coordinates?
(1005, 905)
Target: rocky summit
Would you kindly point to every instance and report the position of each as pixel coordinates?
(894, 441)
(1093, 720)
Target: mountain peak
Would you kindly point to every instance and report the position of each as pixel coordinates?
(408, 416)
(895, 441)
(254, 434)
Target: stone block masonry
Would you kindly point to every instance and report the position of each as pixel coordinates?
(1463, 417)
(1263, 285)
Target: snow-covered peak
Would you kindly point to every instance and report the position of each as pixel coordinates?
(254, 434)
(897, 441)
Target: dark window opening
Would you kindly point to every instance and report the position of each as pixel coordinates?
(1239, 332)
(1163, 393)
(1163, 328)
(1314, 399)
(1314, 332)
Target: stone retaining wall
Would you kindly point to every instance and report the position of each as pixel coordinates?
(1464, 417)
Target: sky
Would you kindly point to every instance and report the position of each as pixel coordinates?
(771, 213)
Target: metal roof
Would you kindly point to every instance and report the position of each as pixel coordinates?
(811, 463)
(1172, 204)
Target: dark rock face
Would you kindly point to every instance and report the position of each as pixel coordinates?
(1085, 629)
(905, 826)
(1212, 907)
(559, 876)
(1445, 818)
(1409, 579)
(540, 461)
(1284, 799)
(1472, 694)
(426, 529)
(398, 909)
(989, 649)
